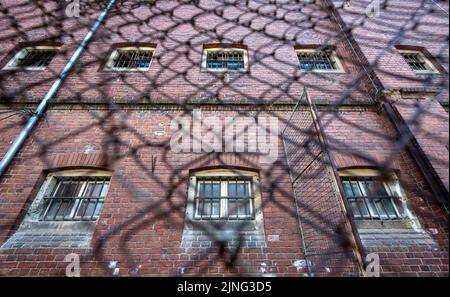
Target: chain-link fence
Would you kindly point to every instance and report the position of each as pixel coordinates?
(121, 105)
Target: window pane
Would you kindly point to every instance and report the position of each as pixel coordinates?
(238, 189)
(348, 189)
(209, 189)
(208, 207)
(67, 189)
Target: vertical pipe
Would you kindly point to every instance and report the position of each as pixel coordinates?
(40, 110)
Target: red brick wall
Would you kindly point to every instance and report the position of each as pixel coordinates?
(373, 139)
(142, 221)
(270, 33)
(75, 135)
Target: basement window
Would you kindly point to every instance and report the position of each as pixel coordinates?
(373, 199)
(417, 61)
(220, 59)
(131, 59)
(315, 60)
(32, 58)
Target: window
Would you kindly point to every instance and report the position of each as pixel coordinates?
(229, 198)
(318, 61)
(371, 199)
(225, 59)
(32, 58)
(417, 61)
(131, 58)
(224, 197)
(74, 198)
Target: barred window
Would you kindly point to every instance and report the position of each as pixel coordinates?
(74, 198)
(224, 198)
(371, 199)
(314, 60)
(32, 58)
(417, 61)
(225, 59)
(131, 59)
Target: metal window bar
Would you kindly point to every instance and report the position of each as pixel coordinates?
(129, 59)
(75, 199)
(316, 61)
(231, 60)
(36, 58)
(365, 204)
(242, 202)
(415, 61)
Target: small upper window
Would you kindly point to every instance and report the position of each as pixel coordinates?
(418, 62)
(32, 58)
(318, 60)
(225, 59)
(74, 198)
(372, 199)
(131, 58)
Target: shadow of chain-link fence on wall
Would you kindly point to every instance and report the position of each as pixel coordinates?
(358, 105)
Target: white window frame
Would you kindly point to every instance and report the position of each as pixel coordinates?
(392, 184)
(431, 68)
(257, 217)
(51, 182)
(12, 64)
(224, 49)
(223, 209)
(109, 64)
(333, 56)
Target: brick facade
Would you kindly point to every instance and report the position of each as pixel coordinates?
(121, 123)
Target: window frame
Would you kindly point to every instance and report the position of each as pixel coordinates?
(115, 52)
(253, 223)
(333, 56)
(393, 182)
(224, 199)
(51, 181)
(431, 68)
(205, 68)
(12, 63)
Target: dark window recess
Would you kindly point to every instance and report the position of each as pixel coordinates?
(316, 61)
(370, 199)
(36, 58)
(224, 198)
(75, 199)
(416, 61)
(133, 59)
(231, 60)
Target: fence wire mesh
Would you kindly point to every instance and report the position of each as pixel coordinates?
(125, 116)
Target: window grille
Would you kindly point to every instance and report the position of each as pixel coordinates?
(316, 60)
(75, 198)
(229, 60)
(370, 199)
(224, 198)
(132, 59)
(34, 58)
(416, 61)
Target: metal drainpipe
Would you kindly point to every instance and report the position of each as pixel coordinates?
(40, 110)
